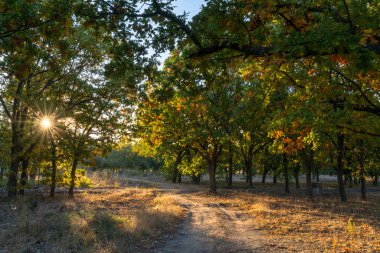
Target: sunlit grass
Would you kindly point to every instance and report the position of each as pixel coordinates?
(295, 224)
(117, 220)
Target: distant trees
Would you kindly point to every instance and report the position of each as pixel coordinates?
(126, 158)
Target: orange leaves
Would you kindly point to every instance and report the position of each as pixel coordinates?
(292, 145)
(178, 107)
(292, 140)
(312, 72)
(278, 134)
(371, 78)
(375, 84)
(287, 140)
(339, 59)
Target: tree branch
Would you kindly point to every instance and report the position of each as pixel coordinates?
(9, 33)
(359, 131)
(5, 107)
(349, 17)
(181, 23)
(357, 86)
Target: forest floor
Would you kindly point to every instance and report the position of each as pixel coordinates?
(148, 215)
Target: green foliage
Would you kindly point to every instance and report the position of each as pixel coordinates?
(64, 175)
(126, 158)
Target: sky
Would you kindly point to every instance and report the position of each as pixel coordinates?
(190, 6)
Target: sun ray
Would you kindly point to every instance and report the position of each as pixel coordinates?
(46, 123)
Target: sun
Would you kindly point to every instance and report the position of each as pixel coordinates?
(46, 123)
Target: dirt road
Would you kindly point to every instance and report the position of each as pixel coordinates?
(209, 227)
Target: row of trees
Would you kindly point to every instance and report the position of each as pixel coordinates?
(246, 79)
(259, 79)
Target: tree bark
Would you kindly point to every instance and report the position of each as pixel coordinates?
(72, 175)
(274, 179)
(308, 158)
(12, 178)
(248, 167)
(362, 171)
(179, 178)
(350, 181)
(212, 173)
(340, 147)
(317, 173)
(230, 164)
(24, 175)
(178, 160)
(33, 173)
(286, 172)
(264, 175)
(16, 150)
(296, 172)
(17, 118)
(53, 167)
(196, 179)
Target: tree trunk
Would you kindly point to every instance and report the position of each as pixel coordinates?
(264, 175)
(16, 150)
(12, 178)
(296, 172)
(317, 173)
(308, 158)
(24, 175)
(18, 118)
(72, 175)
(362, 182)
(1, 173)
(212, 161)
(175, 174)
(375, 178)
(33, 173)
(362, 171)
(230, 164)
(340, 147)
(175, 167)
(179, 178)
(248, 167)
(350, 181)
(196, 179)
(274, 179)
(286, 172)
(53, 167)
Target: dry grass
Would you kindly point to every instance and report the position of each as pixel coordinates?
(117, 220)
(295, 224)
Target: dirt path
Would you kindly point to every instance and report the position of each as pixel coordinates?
(209, 227)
